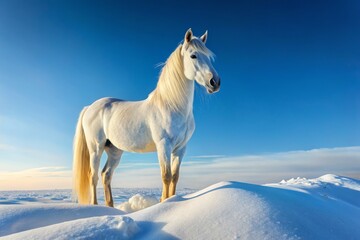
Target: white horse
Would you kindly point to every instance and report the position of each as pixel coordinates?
(162, 123)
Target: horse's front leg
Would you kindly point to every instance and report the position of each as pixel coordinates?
(164, 153)
(176, 158)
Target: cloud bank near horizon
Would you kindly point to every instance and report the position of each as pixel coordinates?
(36, 179)
(201, 171)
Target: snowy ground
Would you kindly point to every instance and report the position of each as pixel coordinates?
(327, 207)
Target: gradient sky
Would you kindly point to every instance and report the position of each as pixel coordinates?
(290, 74)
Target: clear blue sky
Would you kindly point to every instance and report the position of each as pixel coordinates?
(290, 72)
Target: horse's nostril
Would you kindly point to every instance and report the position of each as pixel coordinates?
(212, 82)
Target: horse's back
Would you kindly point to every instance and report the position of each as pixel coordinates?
(104, 103)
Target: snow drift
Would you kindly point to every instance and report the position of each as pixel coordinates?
(323, 208)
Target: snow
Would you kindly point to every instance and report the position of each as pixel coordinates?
(24, 217)
(105, 227)
(137, 203)
(327, 207)
(323, 181)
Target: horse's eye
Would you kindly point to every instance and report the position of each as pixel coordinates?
(193, 56)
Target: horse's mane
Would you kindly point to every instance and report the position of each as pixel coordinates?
(171, 90)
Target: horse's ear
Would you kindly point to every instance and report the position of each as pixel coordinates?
(204, 37)
(188, 35)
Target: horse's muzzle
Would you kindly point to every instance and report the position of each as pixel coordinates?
(214, 85)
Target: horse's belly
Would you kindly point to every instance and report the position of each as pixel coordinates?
(138, 140)
(138, 145)
(149, 147)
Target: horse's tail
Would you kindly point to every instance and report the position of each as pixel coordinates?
(81, 165)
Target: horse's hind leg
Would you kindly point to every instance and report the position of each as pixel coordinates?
(95, 154)
(114, 155)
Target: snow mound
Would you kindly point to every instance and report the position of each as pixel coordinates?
(17, 218)
(137, 202)
(323, 181)
(234, 210)
(328, 186)
(322, 208)
(106, 227)
(222, 211)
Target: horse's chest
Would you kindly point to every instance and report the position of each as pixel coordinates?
(180, 130)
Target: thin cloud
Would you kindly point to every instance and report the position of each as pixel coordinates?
(14, 156)
(36, 179)
(275, 167)
(7, 147)
(208, 156)
(259, 169)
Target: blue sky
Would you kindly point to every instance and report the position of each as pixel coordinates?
(290, 73)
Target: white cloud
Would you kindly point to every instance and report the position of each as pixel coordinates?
(275, 167)
(7, 147)
(264, 168)
(200, 172)
(208, 156)
(15, 157)
(36, 179)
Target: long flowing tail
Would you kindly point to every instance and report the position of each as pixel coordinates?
(81, 165)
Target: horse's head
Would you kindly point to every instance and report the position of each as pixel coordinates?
(197, 62)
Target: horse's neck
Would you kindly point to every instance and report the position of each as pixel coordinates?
(177, 101)
(187, 105)
(174, 92)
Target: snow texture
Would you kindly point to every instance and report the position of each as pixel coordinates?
(327, 207)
